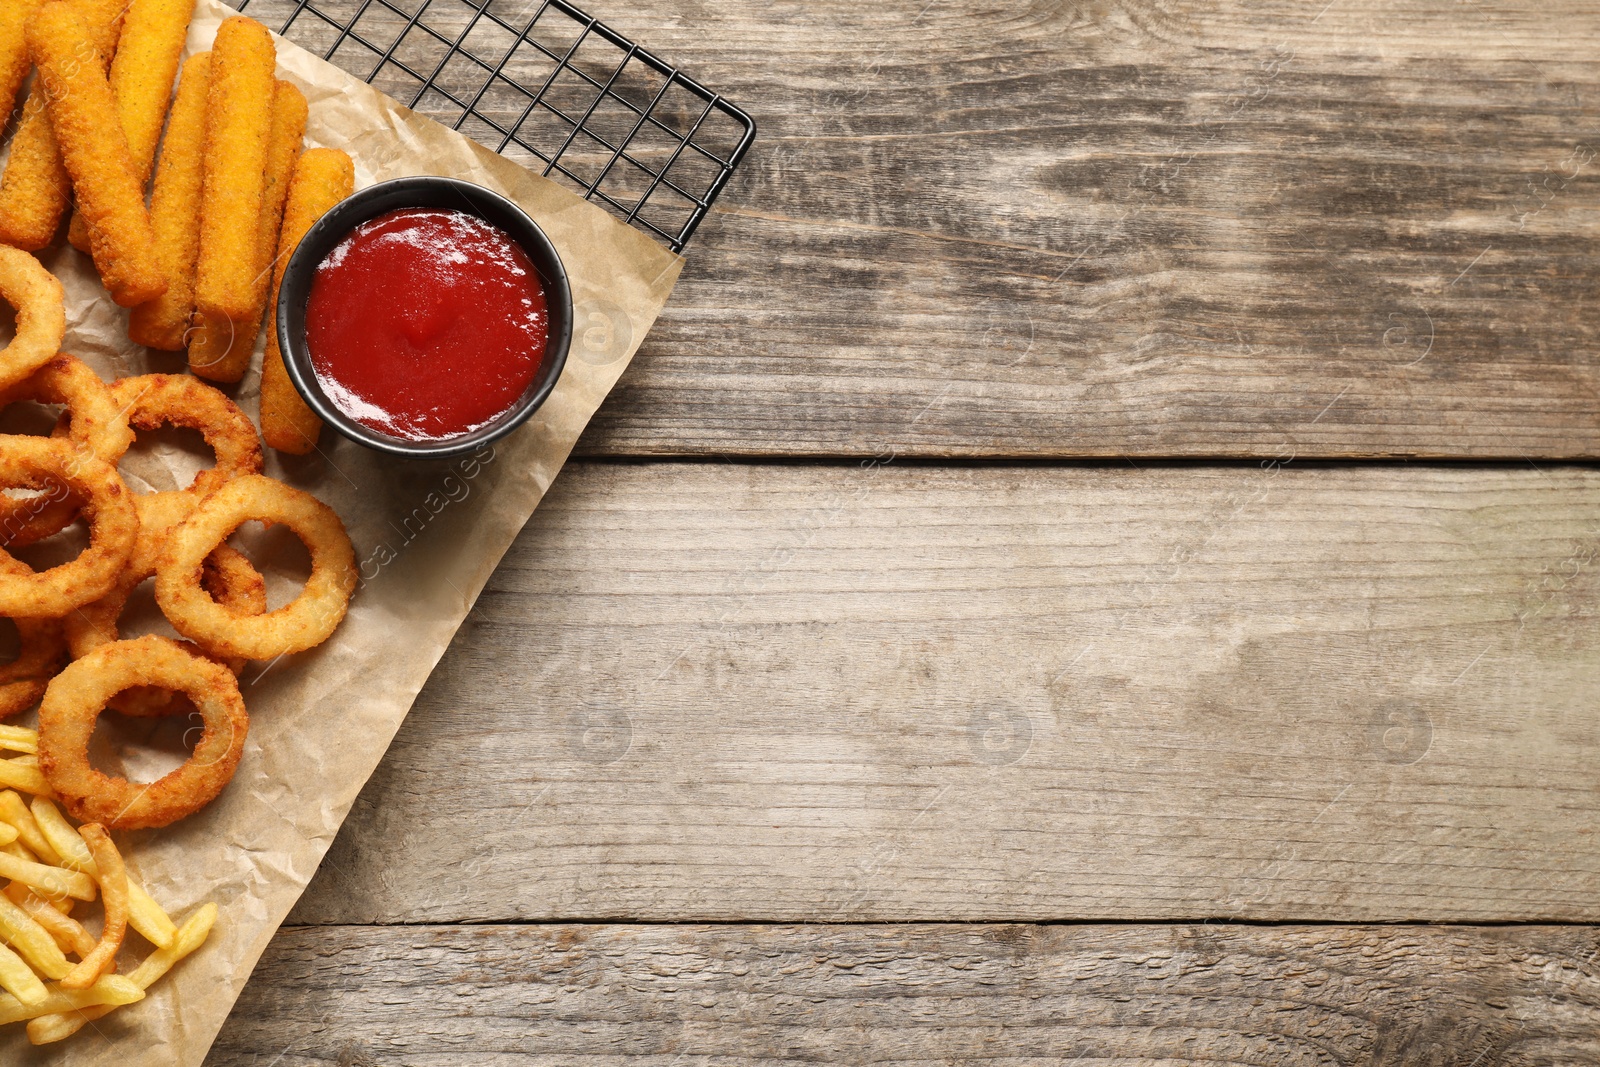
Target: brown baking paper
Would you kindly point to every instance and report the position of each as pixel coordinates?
(428, 534)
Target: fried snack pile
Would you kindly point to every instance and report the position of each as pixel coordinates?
(199, 268)
(208, 590)
(232, 195)
(51, 867)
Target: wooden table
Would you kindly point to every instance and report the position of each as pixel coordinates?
(1099, 562)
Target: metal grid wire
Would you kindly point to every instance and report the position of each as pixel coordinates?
(543, 83)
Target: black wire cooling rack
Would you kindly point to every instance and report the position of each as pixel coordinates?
(543, 83)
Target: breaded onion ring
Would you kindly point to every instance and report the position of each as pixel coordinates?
(41, 463)
(75, 700)
(43, 650)
(93, 421)
(41, 314)
(228, 577)
(305, 621)
(153, 400)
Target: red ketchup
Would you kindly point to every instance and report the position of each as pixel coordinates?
(425, 324)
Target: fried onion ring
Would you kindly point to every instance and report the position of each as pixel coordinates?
(43, 651)
(152, 400)
(228, 576)
(41, 314)
(41, 463)
(305, 621)
(78, 695)
(93, 421)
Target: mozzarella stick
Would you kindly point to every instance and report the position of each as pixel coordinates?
(175, 213)
(84, 118)
(141, 79)
(223, 348)
(238, 121)
(36, 187)
(14, 61)
(322, 178)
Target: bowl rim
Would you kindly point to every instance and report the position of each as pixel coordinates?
(421, 191)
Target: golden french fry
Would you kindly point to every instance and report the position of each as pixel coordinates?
(47, 881)
(70, 850)
(322, 178)
(69, 934)
(148, 917)
(8, 833)
(18, 979)
(36, 187)
(141, 76)
(19, 739)
(224, 347)
(15, 774)
(14, 61)
(114, 896)
(15, 811)
(175, 213)
(238, 121)
(144, 914)
(190, 936)
(110, 989)
(31, 941)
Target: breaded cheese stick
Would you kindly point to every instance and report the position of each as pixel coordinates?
(322, 178)
(175, 213)
(36, 188)
(141, 79)
(84, 117)
(14, 61)
(238, 121)
(223, 347)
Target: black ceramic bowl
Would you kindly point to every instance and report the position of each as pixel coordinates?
(421, 192)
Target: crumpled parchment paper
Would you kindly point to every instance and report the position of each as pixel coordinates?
(428, 535)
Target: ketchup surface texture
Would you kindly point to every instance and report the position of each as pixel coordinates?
(425, 324)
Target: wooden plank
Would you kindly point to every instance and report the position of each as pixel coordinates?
(898, 692)
(1159, 228)
(1130, 995)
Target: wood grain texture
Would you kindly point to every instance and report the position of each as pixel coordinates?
(1135, 228)
(1085, 227)
(900, 692)
(1145, 996)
